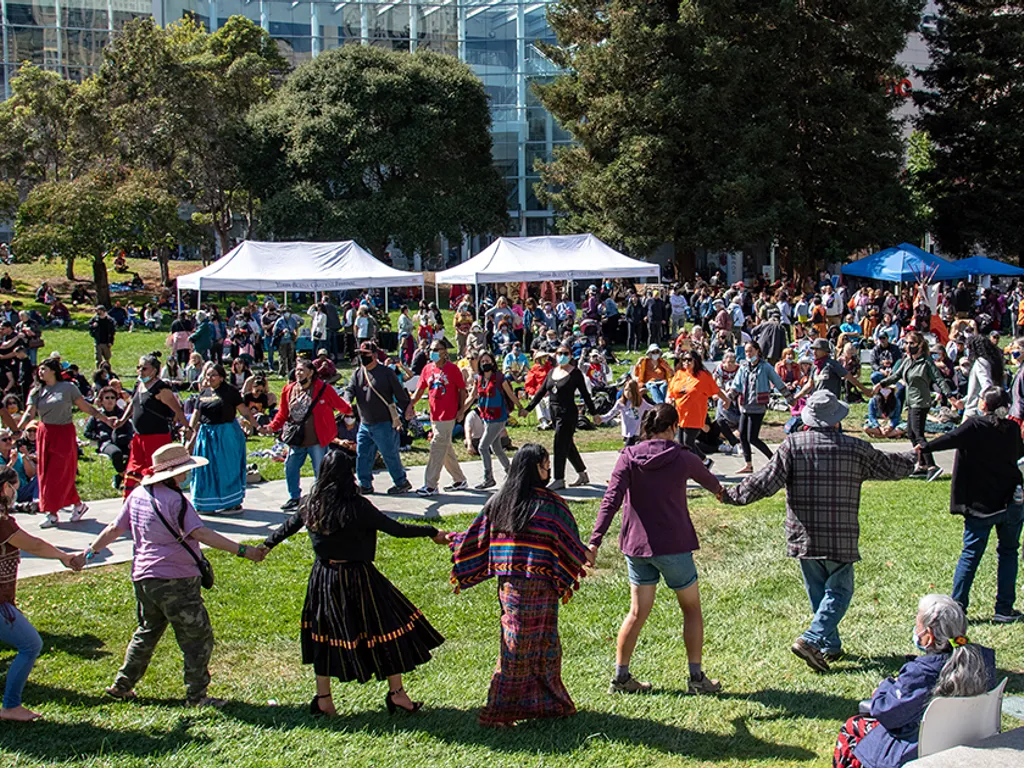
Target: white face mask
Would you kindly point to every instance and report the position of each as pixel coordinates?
(655, 357)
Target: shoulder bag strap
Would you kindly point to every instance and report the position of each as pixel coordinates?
(311, 404)
(373, 389)
(176, 534)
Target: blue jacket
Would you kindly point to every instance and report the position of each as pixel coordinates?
(766, 379)
(899, 704)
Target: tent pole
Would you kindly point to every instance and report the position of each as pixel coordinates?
(437, 293)
(179, 296)
(386, 308)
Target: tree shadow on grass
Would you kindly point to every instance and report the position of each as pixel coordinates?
(60, 741)
(562, 736)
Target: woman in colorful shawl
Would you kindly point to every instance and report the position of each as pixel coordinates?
(528, 539)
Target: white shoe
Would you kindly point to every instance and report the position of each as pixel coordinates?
(50, 521)
(78, 512)
(426, 491)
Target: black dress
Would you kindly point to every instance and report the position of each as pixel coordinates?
(355, 623)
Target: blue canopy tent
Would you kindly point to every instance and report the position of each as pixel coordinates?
(903, 263)
(977, 266)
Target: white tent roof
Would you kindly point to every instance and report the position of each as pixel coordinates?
(555, 257)
(256, 266)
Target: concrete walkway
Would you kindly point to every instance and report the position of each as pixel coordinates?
(262, 506)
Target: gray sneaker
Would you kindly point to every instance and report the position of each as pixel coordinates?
(629, 685)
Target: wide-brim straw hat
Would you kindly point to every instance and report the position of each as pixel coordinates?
(170, 461)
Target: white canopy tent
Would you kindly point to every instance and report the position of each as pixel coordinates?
(550, 257)
(299, 266)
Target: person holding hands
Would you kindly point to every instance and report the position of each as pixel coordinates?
(447, 396)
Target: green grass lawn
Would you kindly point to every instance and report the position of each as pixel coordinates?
(773, 712)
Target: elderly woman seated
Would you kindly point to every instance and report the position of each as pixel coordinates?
(886, 736)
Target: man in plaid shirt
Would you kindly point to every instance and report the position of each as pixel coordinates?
(822, 470)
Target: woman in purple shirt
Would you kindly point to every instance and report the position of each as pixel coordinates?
(166, 574)
(657, 538)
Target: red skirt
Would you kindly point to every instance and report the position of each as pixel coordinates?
(141, 457)
(57, 448)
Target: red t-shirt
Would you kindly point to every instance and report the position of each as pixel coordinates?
(443, 384)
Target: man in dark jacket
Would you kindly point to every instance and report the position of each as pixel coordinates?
(985, 489)
(657, 317)
(771, 336)
(884, 355)
(102, 330)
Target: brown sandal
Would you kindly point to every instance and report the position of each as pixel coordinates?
(120, 693)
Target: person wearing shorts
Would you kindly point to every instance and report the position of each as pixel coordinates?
(658, 540)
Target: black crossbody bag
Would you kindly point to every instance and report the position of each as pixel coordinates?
(205, 567)
(294, 432)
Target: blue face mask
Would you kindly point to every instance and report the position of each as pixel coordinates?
(435, 356)
(563, 359)
(186, 483)
(144, 379)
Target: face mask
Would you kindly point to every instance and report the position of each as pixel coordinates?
(487, 367)
(913, 348)
(885, 391)
(350, 420)
(917, 642)
(186, 483)
(366, 359)
(145, 379)
(655, 357)
(435, 356)
(753, 358)
(563, 359)
(1016, 354)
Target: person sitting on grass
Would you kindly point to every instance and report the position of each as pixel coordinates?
(658, 540)
(886, 736)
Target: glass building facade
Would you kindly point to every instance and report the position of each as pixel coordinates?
(497, 38)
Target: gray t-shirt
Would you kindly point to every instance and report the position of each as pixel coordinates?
(55, 404)
(373, 409)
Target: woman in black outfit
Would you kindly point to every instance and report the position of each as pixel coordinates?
(112, 443)
(355, 623)
(562, 384)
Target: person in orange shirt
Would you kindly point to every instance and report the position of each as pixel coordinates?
(690, 389)
(653, 373)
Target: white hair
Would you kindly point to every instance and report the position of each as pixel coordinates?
(964, 673)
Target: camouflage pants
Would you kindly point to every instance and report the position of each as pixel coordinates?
(178, 602)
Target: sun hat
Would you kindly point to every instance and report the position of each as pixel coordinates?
(170, 461)
(823, 409)
(653, 348)
(540, 354)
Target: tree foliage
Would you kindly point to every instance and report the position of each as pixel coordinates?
(719, 123)
(973, 110)
(86, 217)
(374, 145)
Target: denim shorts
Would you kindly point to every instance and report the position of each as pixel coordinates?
(678, 570)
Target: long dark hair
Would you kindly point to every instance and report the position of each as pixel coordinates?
(979, 347)
(332, 502)
(7, 477)
(511, 508)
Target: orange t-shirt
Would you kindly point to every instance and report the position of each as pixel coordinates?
(691, 395)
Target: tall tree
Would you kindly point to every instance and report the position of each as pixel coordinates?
(720, 123)
(972, 108)
(88, 216)
(176, 99)
(378, 146)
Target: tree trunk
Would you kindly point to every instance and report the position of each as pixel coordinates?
(69, 268)
(223, 237)
(163, 257)
(685, 261)
(101, 281)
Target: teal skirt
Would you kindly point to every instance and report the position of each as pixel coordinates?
(221, 483)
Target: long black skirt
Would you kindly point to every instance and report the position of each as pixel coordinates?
(356, 625)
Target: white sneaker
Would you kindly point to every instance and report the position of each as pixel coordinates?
(462, 485)
(426, 491)
(50, 521)
(78, 512)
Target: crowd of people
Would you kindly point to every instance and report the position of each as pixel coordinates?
(743, 349)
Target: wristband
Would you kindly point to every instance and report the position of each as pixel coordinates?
(89, 554)
(241, 550)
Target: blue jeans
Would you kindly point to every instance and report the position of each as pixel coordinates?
(658, 390)
(18, 631)
(268, 346)
(293, 465)
(830, 587)
(29, 491)
(976, 533)
(378, 437)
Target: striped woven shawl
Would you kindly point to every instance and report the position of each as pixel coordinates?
(548, 548)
